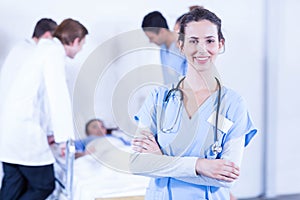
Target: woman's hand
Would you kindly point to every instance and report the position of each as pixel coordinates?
(146, 143)
(219, 169)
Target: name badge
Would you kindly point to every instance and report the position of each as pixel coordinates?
(224, 124)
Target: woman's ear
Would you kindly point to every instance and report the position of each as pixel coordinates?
(180, 45)
(221, 46)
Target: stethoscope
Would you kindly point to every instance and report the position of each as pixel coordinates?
(176, 95)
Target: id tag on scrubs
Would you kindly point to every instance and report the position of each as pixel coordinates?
(224, 124)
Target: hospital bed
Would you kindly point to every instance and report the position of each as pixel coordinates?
(64, 173)
(87, 178)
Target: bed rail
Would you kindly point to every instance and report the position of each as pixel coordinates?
(65, 170)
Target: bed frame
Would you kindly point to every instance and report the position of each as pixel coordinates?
(65, 180)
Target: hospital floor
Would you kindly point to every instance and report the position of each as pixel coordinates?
(287, 197)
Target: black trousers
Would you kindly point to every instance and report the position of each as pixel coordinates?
(27, 182)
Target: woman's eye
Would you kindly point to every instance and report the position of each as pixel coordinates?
(193, 41)
(210, 41)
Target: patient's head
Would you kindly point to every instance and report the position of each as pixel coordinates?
(95, 127)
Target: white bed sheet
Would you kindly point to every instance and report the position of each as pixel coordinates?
(93, 180)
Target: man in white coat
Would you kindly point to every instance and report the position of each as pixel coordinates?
(38, 83)
(44, 28)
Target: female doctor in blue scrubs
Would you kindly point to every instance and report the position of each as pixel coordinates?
(177, 142)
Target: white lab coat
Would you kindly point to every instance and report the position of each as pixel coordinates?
(33, 92)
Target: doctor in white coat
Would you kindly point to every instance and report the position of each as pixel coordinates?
(37, 84)
(44, 28)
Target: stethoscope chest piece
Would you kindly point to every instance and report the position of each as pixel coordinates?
(216, 148)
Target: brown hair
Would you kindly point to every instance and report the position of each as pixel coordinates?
(198, 14)
(194, 7)
(69, 30)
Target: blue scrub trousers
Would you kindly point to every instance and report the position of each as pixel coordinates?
(27, 182)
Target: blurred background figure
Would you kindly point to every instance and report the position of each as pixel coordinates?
(177, 22)
(44, 28)
(173, 62)
(95, 129)
(194, 6)
(37, 83)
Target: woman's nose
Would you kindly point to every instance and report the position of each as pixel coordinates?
(201, 47)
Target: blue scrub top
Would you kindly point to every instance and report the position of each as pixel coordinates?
(174, 64)
(232, 107)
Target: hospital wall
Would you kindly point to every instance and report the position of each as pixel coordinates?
(261, 62)
(288, 98)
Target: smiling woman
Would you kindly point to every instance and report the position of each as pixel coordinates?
(202, 45)
(184, 161)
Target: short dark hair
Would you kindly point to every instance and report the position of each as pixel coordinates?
(154, 21)
(44, 25)
(69, 30)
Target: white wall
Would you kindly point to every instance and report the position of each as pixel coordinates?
(241, 66)
(288, 97)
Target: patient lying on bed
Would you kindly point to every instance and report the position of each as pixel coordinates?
(104, 172)
(95, 129)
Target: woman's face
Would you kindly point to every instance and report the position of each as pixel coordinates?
(96, 128)
(201, 44)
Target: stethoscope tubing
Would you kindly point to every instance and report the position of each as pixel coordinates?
(177, 89)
